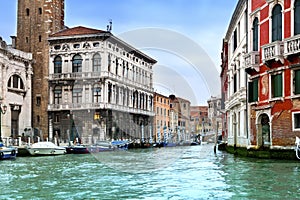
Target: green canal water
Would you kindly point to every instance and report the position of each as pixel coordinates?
(162, 173)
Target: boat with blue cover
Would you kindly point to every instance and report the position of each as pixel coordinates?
(8, 152)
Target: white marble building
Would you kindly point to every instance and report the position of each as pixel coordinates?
(101, 88)
(15, 91)
(236, 104)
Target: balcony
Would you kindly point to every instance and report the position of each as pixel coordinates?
(92, 106)
(97, 75)
(273, 51)
(252, 60)
(292, 46)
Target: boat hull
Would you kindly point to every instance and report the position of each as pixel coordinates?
(46, 152)
(8, 153)
(45, 149)
(77, 150)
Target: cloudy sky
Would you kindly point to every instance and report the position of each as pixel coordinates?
(184, 36)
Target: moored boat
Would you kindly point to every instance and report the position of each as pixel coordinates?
(7, 152)
(45, 149)
(77, 149)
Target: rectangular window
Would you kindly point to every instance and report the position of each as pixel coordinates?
(234, 40)
(297, 81)
(57, 96)
(253, 90)
(234, 83)
(276, 84)
(296, 121)
(38, 101)
(77, 96)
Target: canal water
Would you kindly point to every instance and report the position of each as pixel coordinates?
(193, 172)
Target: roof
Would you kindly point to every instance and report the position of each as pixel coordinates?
(78, 30)
(83, 32)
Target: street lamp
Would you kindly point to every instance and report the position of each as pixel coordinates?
(3, 109)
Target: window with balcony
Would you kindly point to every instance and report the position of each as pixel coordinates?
(97, 63)
(57, 95)
(297, 82)
(77, 94)
(297, 18)
(96, 93)
(276, 84)
(276, 23)
(57, 64)
(255, 34)
(253, 90)
(77, 64)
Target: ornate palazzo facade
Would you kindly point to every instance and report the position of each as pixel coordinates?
(100, 88)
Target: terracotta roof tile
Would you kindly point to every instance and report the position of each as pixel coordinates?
(79, 30)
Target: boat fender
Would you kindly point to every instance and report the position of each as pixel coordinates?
(1, 155)
(13, 153)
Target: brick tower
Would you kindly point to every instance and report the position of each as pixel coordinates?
(36, 20)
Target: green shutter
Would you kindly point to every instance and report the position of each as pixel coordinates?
(277, 85)
(250, 92)
(255, 90)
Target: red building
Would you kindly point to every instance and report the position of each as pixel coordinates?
(224, 88)
(273, 66)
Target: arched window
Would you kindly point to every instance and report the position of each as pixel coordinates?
(96, 93)
(255, 34)
(77, 63)
(15, 82)
(27, 11)
(297, 18)
(57, 64)
(276, 23)
(97, 63)
(57, 95)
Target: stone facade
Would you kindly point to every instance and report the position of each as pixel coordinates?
(199, 121)
(180, 119)
(100, 87)
(271, 61)
(275, 76)
(15, 91)
(36, 20)
(236, 97)
(161, 122)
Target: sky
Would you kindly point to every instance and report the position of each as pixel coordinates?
(184, 36)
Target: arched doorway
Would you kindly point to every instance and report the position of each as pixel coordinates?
(263, 132)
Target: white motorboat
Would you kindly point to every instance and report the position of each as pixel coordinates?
(45, 149)
(7, 152)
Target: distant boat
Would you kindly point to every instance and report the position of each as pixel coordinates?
(7, 152)
(164, 144)
(77, 149)
(45, 149)
(120, 144)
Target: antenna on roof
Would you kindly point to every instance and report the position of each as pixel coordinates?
(109, 26)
